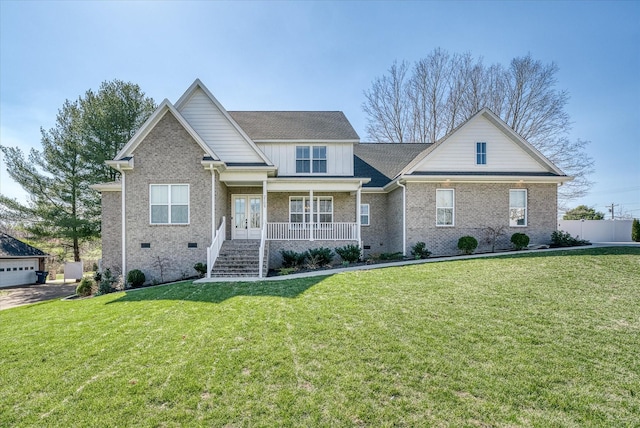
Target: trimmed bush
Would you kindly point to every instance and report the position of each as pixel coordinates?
(560, 238)
(519, 240)
(322, 256)
(84, 288)
(292, 259)
(391, 256)
(135, 278)
(419, 251)
(349, 253)
(201, 268)
(635, 230)
(467, 244)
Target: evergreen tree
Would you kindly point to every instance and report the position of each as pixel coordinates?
(583, 212)
(87, 132)
(57, 180)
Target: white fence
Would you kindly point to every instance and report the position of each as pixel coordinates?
(598, 230)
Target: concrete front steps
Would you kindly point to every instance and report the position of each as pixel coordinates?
(240, 258)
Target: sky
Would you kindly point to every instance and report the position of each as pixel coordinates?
(290, 55)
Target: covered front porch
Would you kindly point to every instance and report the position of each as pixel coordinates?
(291, 209)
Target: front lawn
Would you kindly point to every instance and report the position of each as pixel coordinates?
(538, 339)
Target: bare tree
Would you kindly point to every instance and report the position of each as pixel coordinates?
(387, 106)
(444, 90)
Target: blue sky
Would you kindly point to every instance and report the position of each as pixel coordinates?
(321, 56)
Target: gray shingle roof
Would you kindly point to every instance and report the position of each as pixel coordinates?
(12, 247)
(383, 161)
(295, 125)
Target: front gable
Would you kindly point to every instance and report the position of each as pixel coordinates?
(506, 152)
(165, 108)
(216, 127)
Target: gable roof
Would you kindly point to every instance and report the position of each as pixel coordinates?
(383, 161)
(504, 128)
(164, 108)
(198, 85)
(311, 126)
(12, 247)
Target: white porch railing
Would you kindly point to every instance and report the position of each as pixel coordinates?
(303, 231)
(214, 250)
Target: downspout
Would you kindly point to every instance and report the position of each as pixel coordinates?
(123, 223)
(358, 221)
(404, 218)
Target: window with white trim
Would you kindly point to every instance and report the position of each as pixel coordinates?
(518, 207)
(300, 209)
(364, 215)
(169, 203)
(311, 159)
(481, 153)
(444, 207)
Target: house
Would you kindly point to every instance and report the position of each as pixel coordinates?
(19, 262)
(233, 188)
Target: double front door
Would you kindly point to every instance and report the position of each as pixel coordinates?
(246, 222)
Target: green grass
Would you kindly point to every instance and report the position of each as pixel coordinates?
(546, 339)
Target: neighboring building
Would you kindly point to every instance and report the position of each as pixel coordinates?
(18, 262)
(196, 175)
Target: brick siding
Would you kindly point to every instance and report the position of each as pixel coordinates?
(168, 155)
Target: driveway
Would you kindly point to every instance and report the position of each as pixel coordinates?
(11, 297)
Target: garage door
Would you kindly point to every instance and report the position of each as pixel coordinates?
(18, 272)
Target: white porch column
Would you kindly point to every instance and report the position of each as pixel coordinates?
(310, 215)
(213, 204)
(358, 225)
(264, 203)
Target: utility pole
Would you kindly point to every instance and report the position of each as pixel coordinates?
(611, 209)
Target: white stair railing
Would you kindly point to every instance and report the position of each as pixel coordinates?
(263, 240)
(214, 250)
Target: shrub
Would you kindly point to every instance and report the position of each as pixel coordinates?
(286, 271)
(201, 268)
(391, 256)
(467, 244)
(135, 278)
(349, 253)
(560, 238)
(291, 258)
(519, 240)
(84, 288)
(419, 251)
(323, 256)
(105, 286)
(97, 277)
(635, 230)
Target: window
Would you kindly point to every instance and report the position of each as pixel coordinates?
(444, 207)
(311, 159)
(169, 203)
(300, 209)
(481, 153)
(319, 159)
(303, 159)
(518, 207)
(364, 214)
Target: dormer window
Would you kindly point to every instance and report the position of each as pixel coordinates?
(481, 153)
(311, 159)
